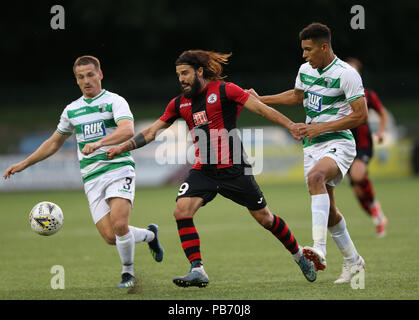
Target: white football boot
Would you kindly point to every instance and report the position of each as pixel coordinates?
(350, 269)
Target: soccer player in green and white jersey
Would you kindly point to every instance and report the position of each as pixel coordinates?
(332, 94)
(100, 119)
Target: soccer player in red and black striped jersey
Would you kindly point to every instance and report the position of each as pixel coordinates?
(358, 173)
(210, 108)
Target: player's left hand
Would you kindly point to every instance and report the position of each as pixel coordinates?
(13, 169)
(91, 147)
(311, 130)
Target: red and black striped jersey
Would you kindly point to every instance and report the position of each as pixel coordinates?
(211, 117)
(362, 133)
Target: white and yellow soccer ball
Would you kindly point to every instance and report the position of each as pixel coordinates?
(46, 218)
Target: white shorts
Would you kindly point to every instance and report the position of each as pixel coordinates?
(114, 184)
(343, 151)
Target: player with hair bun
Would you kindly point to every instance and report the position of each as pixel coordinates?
(210, 108)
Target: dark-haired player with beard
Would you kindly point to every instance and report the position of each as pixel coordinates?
(210, 108)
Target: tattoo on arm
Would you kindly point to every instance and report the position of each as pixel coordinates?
(133, 145)
(139, 141)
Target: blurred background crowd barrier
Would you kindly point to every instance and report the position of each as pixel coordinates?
(279, 158)
(137, 43)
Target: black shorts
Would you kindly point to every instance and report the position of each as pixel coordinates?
(364, 154)
(230, 182)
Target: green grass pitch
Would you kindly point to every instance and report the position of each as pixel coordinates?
(243, 260)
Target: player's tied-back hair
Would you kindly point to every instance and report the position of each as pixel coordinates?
(85, 60)
(317, 32)
(211, 62)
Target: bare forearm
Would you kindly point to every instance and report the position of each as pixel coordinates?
(258, 107)
(145, 136)
(287, 98)
(118, 136)
(351, 121)
(383, 121)
(140, 140)
(277, 117)
(45, 150)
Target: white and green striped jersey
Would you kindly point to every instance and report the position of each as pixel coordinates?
(91, 120)
(327, 94)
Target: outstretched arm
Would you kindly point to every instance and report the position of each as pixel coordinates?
(287, 98)
(256, 106)
(46, 149)
(145, 136)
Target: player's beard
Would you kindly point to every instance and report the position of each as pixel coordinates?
(195, 89)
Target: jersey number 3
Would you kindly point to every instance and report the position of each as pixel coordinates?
(127, 184)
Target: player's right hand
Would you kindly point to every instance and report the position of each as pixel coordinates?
(295, 131)
(13, 169)
(113, 151)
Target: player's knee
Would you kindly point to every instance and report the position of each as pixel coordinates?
(182, 211)
(120, 227)
(315, 179)
(357, 177)
(358, 171)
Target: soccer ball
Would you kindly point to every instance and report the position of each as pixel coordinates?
(46, 218)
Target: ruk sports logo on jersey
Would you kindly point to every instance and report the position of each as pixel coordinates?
(93, 130)
(314, 101)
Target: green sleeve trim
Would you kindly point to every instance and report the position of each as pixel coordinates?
(125, 117)
(355, 97)
(64, 133)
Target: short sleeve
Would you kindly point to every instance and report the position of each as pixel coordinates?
(64, 126)
(121, 110)
(170, 114)
(298, 82)
(235, 93)
(351, 84)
